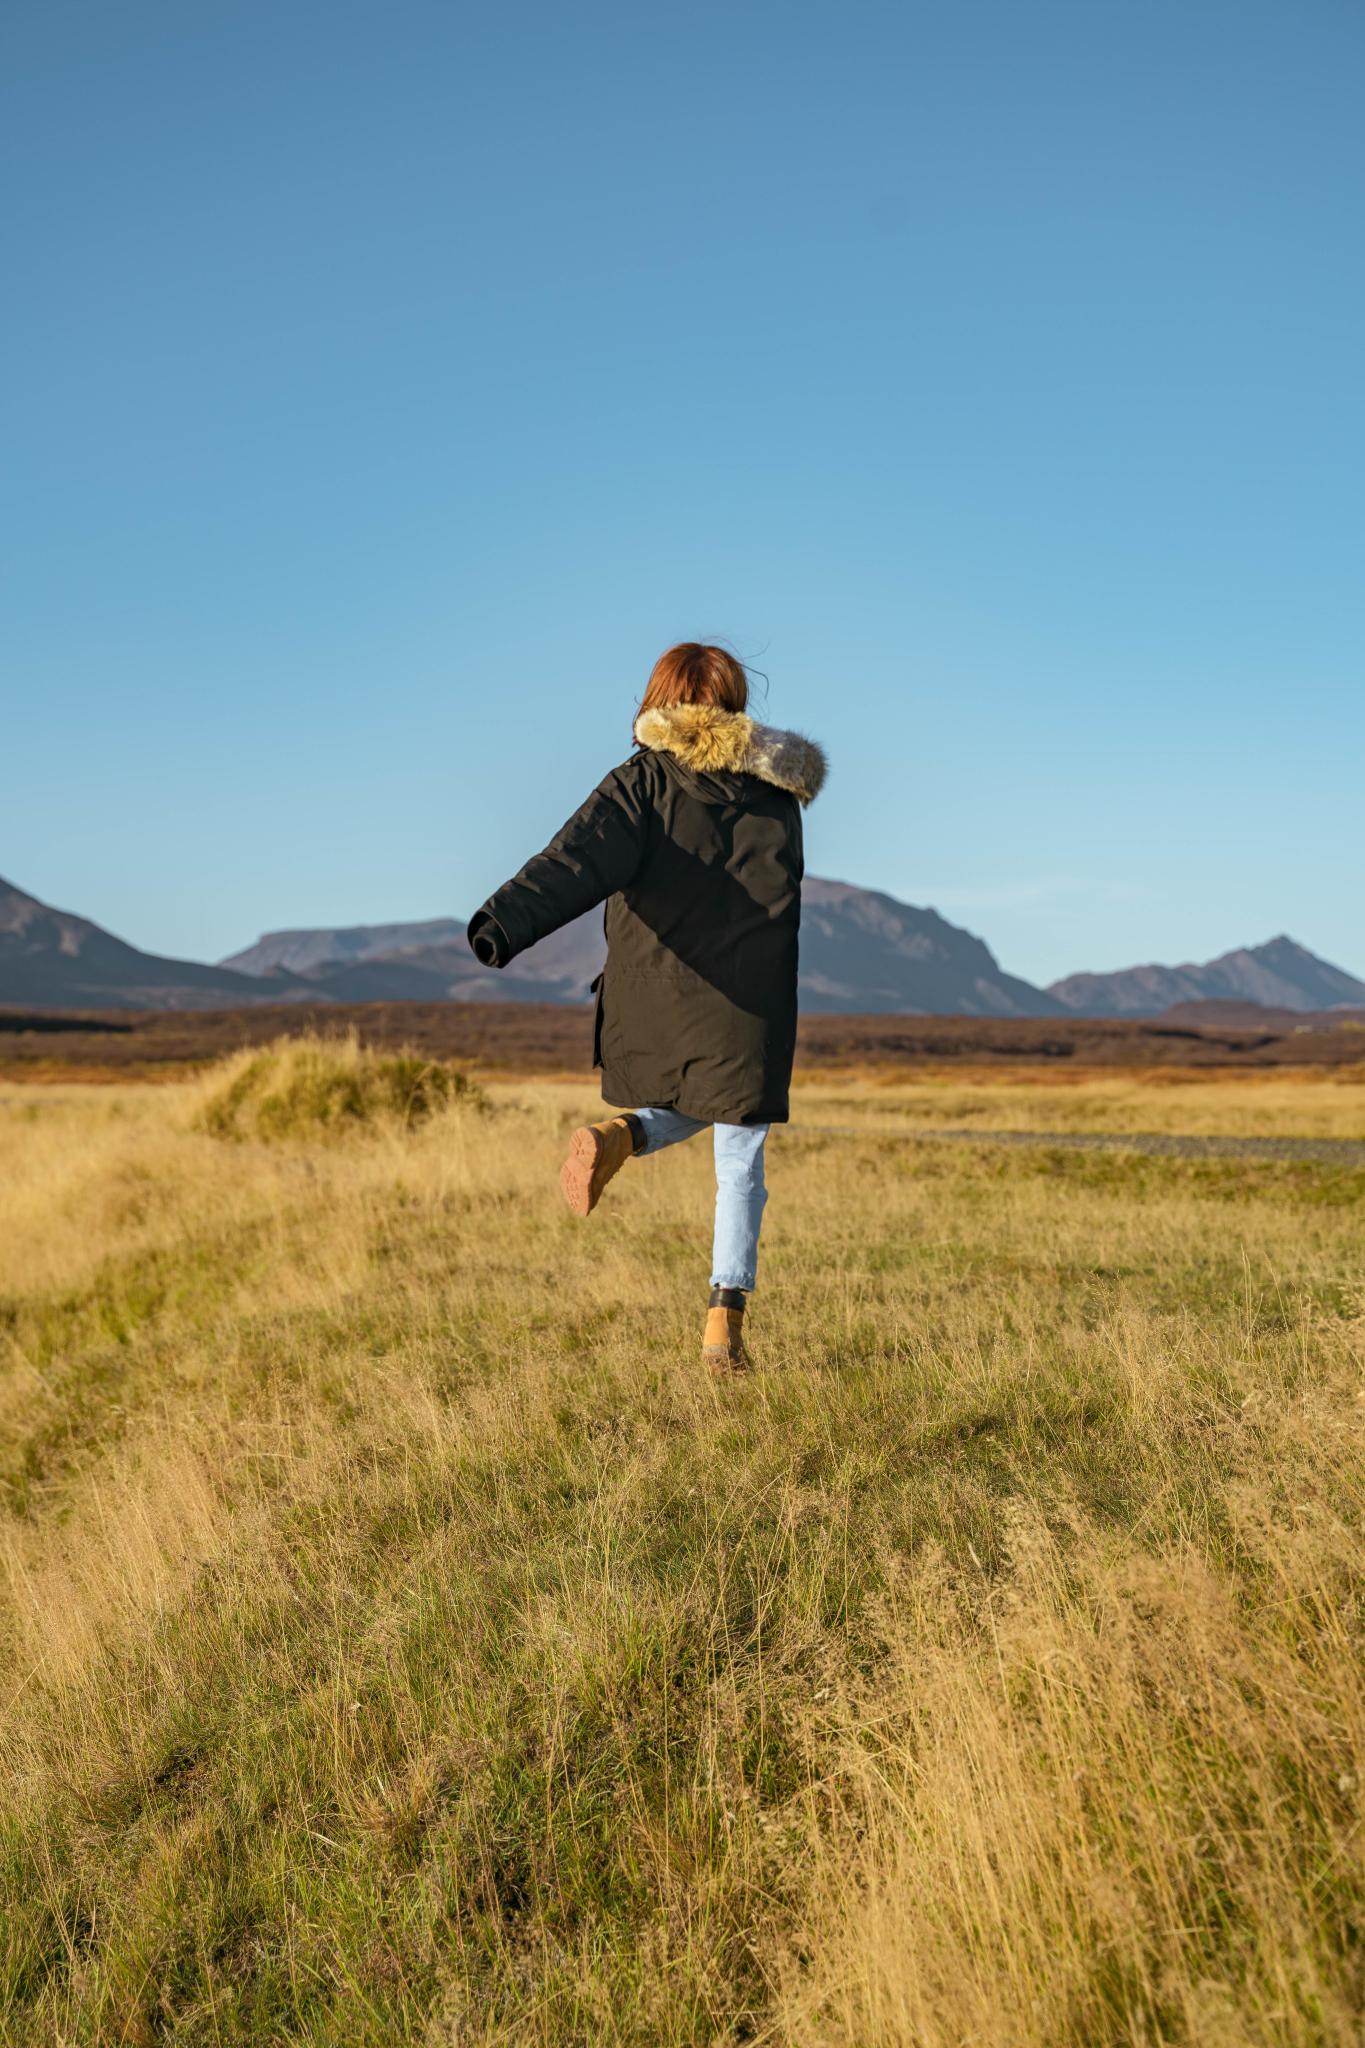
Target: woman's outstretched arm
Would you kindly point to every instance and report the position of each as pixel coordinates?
(589, 859)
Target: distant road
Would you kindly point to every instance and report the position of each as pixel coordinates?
(1342, 1151)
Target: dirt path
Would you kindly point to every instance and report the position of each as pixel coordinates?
(1341, 1151)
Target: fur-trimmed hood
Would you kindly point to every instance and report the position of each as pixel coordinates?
(707, 739)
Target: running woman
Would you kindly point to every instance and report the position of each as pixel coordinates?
(694, 845)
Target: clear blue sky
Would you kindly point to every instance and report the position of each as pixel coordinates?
(386, 384)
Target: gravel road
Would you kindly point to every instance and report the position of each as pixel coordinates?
(1340, 1151)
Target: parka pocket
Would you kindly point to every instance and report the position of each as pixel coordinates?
(595, 988)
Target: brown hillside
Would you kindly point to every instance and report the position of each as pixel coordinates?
(526, 1038)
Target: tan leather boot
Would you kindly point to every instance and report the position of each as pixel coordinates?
(723, 1345)
(596, 1153)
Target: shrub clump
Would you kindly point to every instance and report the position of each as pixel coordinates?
(299, 1087)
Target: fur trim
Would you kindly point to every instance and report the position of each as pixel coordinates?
(703, 737)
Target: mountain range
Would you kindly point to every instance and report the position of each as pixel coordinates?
(1278, 975)
(53, 959)
(862, 952)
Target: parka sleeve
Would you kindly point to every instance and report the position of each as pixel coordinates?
(596, 853)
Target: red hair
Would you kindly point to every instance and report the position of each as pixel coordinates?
(694, 673)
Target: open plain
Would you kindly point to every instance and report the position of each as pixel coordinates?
(405, 1641)
(556, 1038)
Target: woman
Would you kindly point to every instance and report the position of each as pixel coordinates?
(694, 843)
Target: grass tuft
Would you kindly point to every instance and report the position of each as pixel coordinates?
(299, 1087)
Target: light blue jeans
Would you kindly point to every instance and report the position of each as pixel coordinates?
(740, 1193)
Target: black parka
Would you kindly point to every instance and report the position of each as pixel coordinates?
(694, 844)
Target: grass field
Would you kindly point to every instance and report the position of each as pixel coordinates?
(403, 1640)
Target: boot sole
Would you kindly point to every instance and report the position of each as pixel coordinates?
(724, 1364)
(575, 1175)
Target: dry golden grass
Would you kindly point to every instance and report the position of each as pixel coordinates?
(403, 1639)
(1298, 1103)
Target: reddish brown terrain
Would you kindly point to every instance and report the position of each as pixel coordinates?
(541, 1038)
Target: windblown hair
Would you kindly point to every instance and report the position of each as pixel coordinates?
(695, 673)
